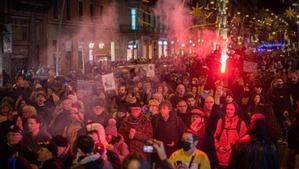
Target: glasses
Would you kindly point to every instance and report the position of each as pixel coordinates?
(182, 105)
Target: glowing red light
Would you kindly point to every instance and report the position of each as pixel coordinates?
(223, 60)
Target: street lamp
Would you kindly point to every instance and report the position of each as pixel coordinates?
(91, 46)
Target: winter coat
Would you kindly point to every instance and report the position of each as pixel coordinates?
(144, 132)
(94, 161)
(32, 142)
(281, 102)
(293, 138)
(45, 113)
(169, 131)
(186, 117)
(293, 89)
(251, 153)
(227, 137)
(211, 124)
(63, 119)
(68, 158)
(53, 163)
(120, 147)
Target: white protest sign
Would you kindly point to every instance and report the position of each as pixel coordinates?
(108, 82)
(150, 70)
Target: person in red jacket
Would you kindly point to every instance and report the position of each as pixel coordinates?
(229, 130)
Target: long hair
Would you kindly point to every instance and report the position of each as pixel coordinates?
(258, 128)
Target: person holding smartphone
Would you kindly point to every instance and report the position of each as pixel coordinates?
(189, 157)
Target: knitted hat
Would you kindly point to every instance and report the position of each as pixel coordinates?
(111, 127)
(51, 146)
(15, 129)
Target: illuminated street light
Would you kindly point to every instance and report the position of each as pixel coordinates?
(101, 45)
(91, 45)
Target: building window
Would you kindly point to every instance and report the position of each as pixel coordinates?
(144, 23)
(68, 9)
(20, 30)
(55, 9)
(38, 29)
(91, 10)
(80, 8)
(134, 19)
(150, 22)
(157, 24)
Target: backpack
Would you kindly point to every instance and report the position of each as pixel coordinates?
(223, 126)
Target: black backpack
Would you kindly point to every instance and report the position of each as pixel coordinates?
(223, 126)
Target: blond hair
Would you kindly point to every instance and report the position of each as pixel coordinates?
(30, 109)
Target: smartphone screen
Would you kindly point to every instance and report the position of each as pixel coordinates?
(148, 148)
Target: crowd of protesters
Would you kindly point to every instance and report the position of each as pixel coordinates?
(188, 116)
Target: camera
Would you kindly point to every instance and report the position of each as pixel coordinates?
(148, 148)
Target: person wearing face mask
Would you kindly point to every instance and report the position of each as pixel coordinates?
(189, 157)
(229, 129)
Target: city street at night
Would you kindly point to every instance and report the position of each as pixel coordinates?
(149, 84)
